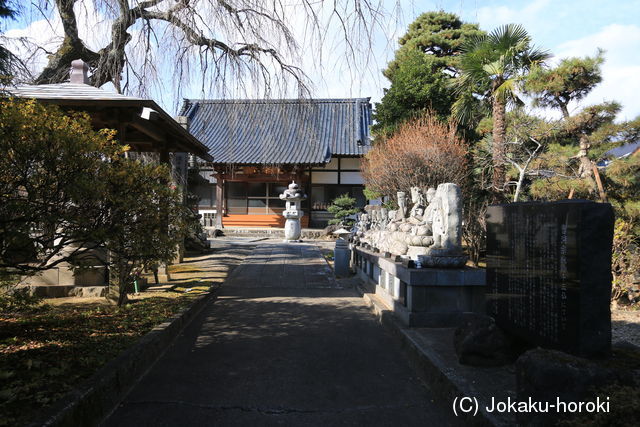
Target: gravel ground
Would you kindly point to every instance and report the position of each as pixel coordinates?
(625, 325)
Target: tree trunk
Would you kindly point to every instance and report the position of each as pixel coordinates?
(123, 283)
(521, 176)
(498, 152)
(72, 47)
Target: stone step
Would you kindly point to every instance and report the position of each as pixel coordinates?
(160, 288)
(265, 232)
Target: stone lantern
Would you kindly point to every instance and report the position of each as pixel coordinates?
(293, 196)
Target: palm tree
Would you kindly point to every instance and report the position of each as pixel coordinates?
(492, 65)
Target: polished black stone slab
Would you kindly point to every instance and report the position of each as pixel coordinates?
(549, 273)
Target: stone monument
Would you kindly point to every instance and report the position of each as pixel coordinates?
(549, 273)
(293, 197)
(413, 257)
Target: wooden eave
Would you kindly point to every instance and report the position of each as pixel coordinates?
(162, 132)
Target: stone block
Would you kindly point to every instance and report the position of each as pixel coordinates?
(454, 277)
(444, 299)
(479, 342)
(550, 376)
(94, 276)
(375, 274)
(88, 291)
(427, 296)
(394, 284)
(417, 298)
(423, 277)
(475, 276)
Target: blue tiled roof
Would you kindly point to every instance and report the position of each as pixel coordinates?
(280, 131)
(623, 151)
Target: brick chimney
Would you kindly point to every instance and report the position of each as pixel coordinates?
(79, 72)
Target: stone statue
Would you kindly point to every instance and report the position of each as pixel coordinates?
(293, 196)
(431, 194)
(411, 236)
(417, 198)
(384, 217)
(446, 250)
(431, 233)
(359, 228)
(401, 213)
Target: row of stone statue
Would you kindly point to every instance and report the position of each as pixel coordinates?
(429, 231)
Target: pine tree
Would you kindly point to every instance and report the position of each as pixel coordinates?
(422, 69)
(342, 207)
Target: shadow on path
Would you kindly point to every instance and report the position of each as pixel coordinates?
(284, 344)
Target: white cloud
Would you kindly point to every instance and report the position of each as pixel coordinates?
(621, 70)
(32, 43)
(493, 16)
(41, 37)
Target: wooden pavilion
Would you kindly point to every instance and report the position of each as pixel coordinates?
(260, 146)
(140, 123)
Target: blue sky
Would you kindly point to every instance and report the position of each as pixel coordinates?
(564, 27)
(570, 28)
(549, 22)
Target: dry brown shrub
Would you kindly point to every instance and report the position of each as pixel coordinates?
(424, 152)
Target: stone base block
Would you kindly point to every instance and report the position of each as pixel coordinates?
(428, 297)
(88, 291)
(61, 291)
(437, 261)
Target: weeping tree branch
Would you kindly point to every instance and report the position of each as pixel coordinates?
(109, 62)
(251, 51)
(71, 48)
(249, 40)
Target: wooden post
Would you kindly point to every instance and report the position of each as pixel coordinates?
(300, 178)
(166, 159)
(219, 198)
(164, 156)
(596, 173)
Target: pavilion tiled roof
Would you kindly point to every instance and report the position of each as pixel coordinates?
(280, 131)
(79, 95)
(69, 91)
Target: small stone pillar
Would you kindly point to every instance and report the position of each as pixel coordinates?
(293, 196)
(79, 73)
(341, 254)
(161, 274)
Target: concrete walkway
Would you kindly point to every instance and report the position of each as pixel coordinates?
(283, 345)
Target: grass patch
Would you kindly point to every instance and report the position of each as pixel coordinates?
(180, 268)
(47, 351)
(328, 254)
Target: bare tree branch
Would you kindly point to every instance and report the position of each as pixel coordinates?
(217, 43)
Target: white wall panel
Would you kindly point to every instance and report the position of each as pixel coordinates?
(324, 177)
(351, 178)
(349, 163)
